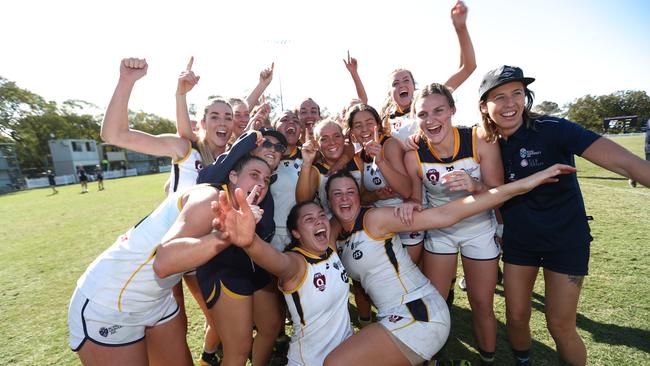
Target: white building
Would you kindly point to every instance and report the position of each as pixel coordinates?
(68, 154)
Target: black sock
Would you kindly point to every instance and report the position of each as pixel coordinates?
(521, 356)
(208, 356)
(487, 358)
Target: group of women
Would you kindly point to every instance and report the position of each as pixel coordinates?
(255, 215)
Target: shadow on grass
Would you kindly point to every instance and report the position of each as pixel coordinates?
(602, 178)
(605, 333)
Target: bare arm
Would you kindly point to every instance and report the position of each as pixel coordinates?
(612, 156)
(190, 241)
(467, 56)
(289, 268)
(392, 168)
(266, 76)
(382, 221)
(308, 179)
(413, 170)
(115, 127)
(352, 66)
(186, 82)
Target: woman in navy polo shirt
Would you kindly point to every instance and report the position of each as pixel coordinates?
(546, 227)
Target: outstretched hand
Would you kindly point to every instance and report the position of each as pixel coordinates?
(132, 69)
(459, 14)
(187, 80)
(405, 211)
(237, 226)
(548, 175)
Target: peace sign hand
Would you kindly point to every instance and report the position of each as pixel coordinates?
(237, 226)
(187, 80)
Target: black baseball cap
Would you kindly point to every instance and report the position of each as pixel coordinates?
(502, 75)
(278, 135)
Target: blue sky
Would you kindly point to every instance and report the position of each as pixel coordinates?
(72, 49)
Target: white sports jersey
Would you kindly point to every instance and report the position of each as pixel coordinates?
(383, 266)
(319, 309)
(185, 171)
(433, 168)
(322, 169)
(122, 277)
(402, 125)
(284, 189)
(373, 179)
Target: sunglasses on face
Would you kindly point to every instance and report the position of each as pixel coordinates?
(277, 147)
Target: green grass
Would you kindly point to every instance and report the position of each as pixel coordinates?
(47, 241)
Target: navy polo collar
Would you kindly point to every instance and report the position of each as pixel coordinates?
(521, 134)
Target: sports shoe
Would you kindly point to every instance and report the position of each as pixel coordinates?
(632, 183)
(450, 298)
(209, 359)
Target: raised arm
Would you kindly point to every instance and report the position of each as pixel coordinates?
(186, 81)
(352, 66)
(190, 241)
(390, 161)
(467, 56)
(266, 76)
(612, 156)
(308, 179)
(115, 127)
(382, 221)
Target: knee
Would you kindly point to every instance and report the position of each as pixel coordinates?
(560, 328)
(518, 317)
(483, 308)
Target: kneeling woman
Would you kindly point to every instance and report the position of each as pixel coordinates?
(123, 303)
(413, 319)
(314, 283)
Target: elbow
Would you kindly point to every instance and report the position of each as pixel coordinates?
(160, 269)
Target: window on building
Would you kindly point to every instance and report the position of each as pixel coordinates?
(76, 146)
(90, 146)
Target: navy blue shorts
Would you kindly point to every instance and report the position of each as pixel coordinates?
(231, 272)
(571, 261)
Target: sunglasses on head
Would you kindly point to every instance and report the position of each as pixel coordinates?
(277, 147)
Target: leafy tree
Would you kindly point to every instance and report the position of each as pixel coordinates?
(16, 103)
(151, 123)
(589, 111)
(548, 108)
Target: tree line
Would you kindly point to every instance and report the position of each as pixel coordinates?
(30, 121)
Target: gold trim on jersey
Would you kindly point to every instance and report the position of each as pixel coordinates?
(389, 235)
(214, 292)
(456, 146)
(474, 152)
(299, 285)
(119, 298)
(187, 155)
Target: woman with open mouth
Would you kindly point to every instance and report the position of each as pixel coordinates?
(413, 320)
(329, 141)
(452, 163)
(314, 283)
(123, 310)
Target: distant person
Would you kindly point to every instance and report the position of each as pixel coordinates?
(647, 149)
(83, 179)
(123, 167)
(50, 179)
(100, 177)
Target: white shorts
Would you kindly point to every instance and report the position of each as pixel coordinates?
(108, 327)
(281, 239)
(422, 325)
(411, 238)
(479, 247)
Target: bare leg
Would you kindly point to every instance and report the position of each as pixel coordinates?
(166, 343)
(562, 294)
(518, 283)
(481, 280)
(269, 318)
(92, 354)
(440, 269)
(371, 346)
(234, 322)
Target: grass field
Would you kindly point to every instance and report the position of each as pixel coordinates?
(47, 241)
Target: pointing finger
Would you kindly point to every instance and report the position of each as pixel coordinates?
(189, 64)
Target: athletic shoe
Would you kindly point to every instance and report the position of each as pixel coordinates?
(450, 298)
(632, 183)
(209, 359)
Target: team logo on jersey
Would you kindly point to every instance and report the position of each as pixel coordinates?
(286, 164)
(523, 153)
(376, 181)
(319, 281)
(524, 163)
(336, 265)
(395, 318)
(357, 254)
(327, 266)
(198, 165)
(433, 176)
(104, 332)
(414, 234)
(450, 168)
(344, 276)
